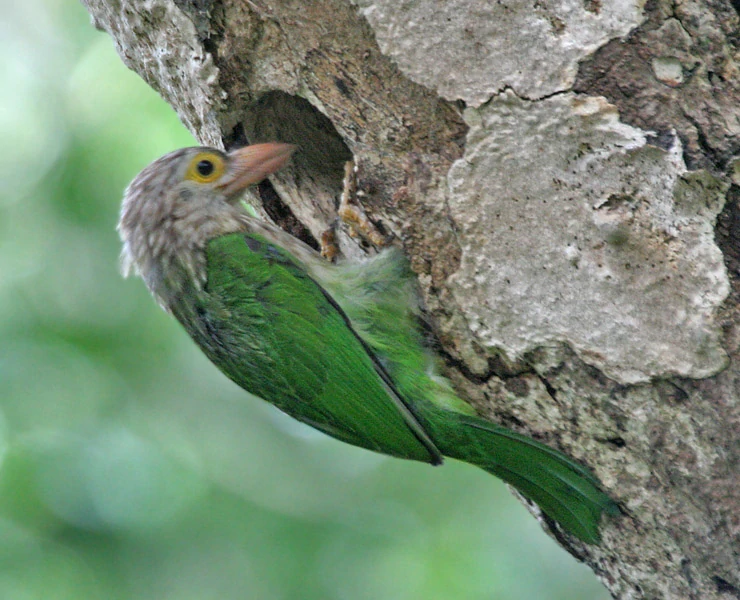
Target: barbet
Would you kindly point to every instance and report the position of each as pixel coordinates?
(336, 346)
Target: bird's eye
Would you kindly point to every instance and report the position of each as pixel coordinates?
(206, 167)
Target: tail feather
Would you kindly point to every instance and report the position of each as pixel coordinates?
(582, 521)
(565, 490)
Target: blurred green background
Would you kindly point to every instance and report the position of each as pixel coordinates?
(131, 468)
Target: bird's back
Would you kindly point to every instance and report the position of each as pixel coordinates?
(264, 321)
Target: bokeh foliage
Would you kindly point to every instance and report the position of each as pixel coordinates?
(131, 468)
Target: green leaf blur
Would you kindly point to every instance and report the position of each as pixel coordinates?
(131, 468)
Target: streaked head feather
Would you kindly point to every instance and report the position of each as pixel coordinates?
(166, 221)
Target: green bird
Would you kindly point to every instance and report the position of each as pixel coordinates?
(336, 346)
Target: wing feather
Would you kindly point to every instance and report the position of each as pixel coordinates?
(278, 334)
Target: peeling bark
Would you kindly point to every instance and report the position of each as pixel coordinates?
(564, 178)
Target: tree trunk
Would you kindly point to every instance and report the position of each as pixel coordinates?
(562, 176)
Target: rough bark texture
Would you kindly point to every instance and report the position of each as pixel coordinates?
(563, 176)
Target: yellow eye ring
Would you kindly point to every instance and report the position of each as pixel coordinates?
(205, 167)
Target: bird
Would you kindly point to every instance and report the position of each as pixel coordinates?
(336, 345)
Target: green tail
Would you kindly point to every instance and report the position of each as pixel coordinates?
(376, 296)
(565, 491)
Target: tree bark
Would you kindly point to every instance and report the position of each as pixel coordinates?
(563, 176)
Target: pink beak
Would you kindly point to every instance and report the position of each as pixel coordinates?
(251, 164)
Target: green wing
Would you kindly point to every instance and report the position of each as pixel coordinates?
(274, 331)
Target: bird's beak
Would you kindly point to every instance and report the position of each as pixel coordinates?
(251, 164)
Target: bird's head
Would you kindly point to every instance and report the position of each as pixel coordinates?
(187, 197)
